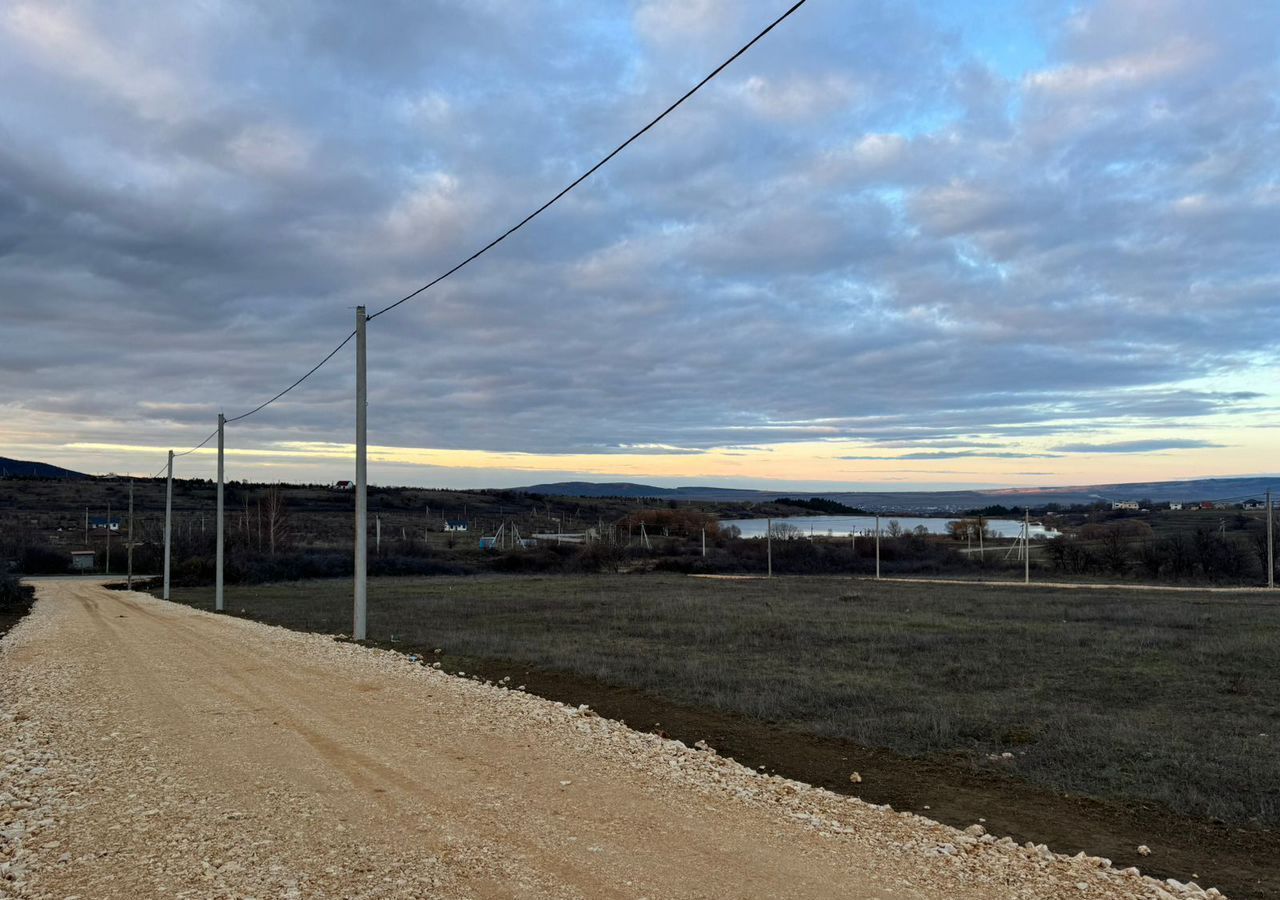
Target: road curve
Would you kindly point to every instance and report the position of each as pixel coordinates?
(151, 750)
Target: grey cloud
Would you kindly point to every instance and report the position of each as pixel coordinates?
(946, 259)
(1154, 445)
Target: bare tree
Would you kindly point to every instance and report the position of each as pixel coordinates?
(784, 531)
(277, 517)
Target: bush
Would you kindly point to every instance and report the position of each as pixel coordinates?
(41, 559)
(13, 593)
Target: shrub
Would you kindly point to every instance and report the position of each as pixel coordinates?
(13, 593)
(41, 559)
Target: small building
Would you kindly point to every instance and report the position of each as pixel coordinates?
(1175, 505)
(455, 525)
(1206, 504)
(1124, 504)
(344, 485)
(82, 561)
(109, 524)
(1254, 504)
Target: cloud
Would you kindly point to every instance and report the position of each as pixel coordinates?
(1153, 445)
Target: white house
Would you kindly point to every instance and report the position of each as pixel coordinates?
(455, 525)
(1174, 504)
(1124, 504)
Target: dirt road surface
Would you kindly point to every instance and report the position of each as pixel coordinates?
(150, 750)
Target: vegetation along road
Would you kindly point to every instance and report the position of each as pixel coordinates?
(155, 750)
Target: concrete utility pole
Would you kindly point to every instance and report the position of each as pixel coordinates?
(1271, 547)
(107, 567)
(704, 542)
(86, 527)
(218, 602)
(1026, 545)
(377, 535)
(769, 540)
(358, 627)
(168, 521)
(128, 579)
(877, 546)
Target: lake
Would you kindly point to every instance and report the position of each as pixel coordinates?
(846, 525)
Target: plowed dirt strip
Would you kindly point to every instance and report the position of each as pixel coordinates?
(151, 750)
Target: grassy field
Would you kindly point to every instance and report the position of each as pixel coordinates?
(1117, 694)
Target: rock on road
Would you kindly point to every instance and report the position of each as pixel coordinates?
(151, 750)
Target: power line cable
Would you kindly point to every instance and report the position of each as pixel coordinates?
(587, 174)
(314, 369)
(211, 436)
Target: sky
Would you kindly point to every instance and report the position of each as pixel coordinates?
(895, 244)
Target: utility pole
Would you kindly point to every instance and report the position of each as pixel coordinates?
(107, 567)
(168, 522)
(769, 540)
(128, 580)
(218, 601)
(704, 542)
(86, 527)
(377, 539)
(1271, 547)
(1026, 545)
(877, 546)
(358, 627)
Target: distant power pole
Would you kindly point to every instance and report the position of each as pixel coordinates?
(218, 599)
(358, 626)
(704, 542)
(1271, 546)
(168, 522)
(877, 546)
(107, 567)
(128, 581)
(769, 540)
(86, 526)
(1026, 545)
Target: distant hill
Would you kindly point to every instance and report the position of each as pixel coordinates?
(23, 468)
(630, 490)
(1192, 490)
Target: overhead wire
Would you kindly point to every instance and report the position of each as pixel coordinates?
(312, 371)
(591, 171)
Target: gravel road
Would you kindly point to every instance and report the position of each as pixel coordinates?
(151, 750)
